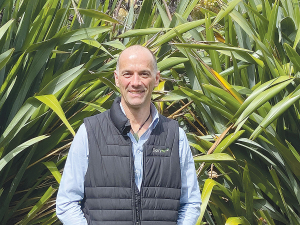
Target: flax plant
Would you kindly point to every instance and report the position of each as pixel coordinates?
(230, 79)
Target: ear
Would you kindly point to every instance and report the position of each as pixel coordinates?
(157, 77)
(116, 78)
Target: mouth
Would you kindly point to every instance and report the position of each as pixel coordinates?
(136, 91)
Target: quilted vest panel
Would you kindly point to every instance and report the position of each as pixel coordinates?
(111, 196)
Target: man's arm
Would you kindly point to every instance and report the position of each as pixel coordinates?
(190, 199)
(71, 189)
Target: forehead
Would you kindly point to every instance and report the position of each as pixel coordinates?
(134, 57)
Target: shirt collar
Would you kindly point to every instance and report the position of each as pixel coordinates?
(154, 114)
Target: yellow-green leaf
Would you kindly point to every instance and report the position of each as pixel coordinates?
(51, 101)
(237, 221)
(53, 169)
(212, 158)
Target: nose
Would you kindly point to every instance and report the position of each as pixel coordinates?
(136, 80)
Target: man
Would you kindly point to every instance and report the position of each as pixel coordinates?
(130, 165)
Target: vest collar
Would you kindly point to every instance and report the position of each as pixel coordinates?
(118, 118)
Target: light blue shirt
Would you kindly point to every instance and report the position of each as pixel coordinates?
(71, 189)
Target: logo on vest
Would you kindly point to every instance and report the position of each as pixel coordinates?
(156, 150)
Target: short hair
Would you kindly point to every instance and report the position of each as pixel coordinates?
(154, 62)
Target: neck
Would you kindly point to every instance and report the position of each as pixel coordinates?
(137, 116)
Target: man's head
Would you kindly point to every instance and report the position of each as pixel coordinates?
(139, 47)
(136, 75)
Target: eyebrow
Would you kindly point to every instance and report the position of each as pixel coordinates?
(142, 71)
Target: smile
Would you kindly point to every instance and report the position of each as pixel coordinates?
(136, 92)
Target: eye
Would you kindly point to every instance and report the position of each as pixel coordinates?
(126, 75)
(145, 74)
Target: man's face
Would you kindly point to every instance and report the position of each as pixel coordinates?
(136, 78)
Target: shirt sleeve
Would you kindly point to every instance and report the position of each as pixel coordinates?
(190, 199)
(71, 189)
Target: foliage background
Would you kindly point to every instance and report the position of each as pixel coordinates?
(230, 76)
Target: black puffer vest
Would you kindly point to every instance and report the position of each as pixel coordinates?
(111, 196)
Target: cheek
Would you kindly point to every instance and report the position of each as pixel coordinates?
(123, 83)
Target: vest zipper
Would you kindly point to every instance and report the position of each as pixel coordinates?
(138, 206)
(134, 189)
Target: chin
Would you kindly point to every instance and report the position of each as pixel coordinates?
(136, 103)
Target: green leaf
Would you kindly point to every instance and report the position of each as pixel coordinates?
(213, 46)
(267, 217)
(12, 73)
(4, 57)
(199, 97)
(39, 205)
(182, 5)
(61, 81)
(237, 17)
(51, 101)
(80, 34)
(196, 32)
(92, 42)
(272, 17)
(95, 106)
(173, 96)
(228, 98)
(170, 62)
(226, 142)
(212, 158)
(205, 195)
(49, 11)
(70, 37)
(294, 57)
(259, 90)
(97, 14)
(287, 154)
(53, 169)
(109, 84)
(6, 94)
(163, 14)
(248, 188)
(275, 112)
(9, 156)
(214, 57)
(260, 98)
(5, 27)
(116, 44)
(237, 221)
(142, 32)
(189, 8)
(19, 121)
(276, 180)
(297, 39)
(38, 61)
(236, 200)
(294, 151)
(225, 12)
(144, 15)
(179, 29)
